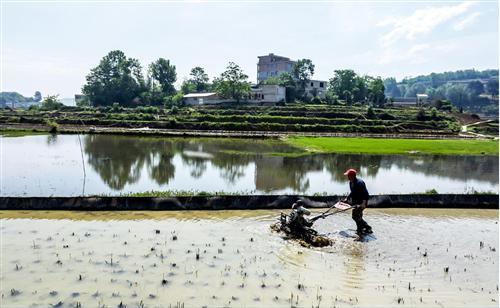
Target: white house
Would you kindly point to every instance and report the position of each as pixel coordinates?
(258, 94)
(267, 94)
(202, 98)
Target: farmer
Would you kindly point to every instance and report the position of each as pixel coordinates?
(296, 219)
(358, 198)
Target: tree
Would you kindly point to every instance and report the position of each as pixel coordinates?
(415, 89)
(116, 79)
(37, 97)
(162, 73)
(370, 114)
(376, 91)
(188, 87)
(492, 86)
(342, 84)
(51, 102)
(458, 95)
(302, 72)
(199, 78)
(361, 89)
(232, 84)
(391, 87)
(475, 87)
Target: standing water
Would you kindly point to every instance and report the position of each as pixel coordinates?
(51, 165)
(416, 258)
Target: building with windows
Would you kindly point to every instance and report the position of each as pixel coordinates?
(273, 66)
(258, 94)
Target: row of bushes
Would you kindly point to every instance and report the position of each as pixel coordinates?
(149, 120)
(245, 126)
(294, 120)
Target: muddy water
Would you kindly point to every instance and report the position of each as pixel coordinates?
(104, 258)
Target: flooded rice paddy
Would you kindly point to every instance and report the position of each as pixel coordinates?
(51, 165)
(416, 257)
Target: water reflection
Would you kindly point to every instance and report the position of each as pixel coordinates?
(51, 165)
(120, 159)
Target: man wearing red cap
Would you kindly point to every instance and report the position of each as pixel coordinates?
(359, 199)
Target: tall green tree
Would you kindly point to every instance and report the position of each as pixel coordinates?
(391, 87)
(199, 78)
(232, 83)
(116, 79)
(475, 87)
(188, 87)
(37, 97)
(302, 72)
(361, 91)
(492, 86)
(376, 91)
(163, 74)
(343, 83)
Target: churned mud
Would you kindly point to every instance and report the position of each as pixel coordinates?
(416, 257)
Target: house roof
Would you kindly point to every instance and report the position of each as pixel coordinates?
(199, 94)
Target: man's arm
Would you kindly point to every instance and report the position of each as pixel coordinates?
(364, 203)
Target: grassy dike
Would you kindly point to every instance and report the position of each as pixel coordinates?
(394, 146)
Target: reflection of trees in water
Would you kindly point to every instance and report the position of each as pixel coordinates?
(164, 170)
(274, 173)
(481, 168)
(337, 164)
(51, 139)
(198, 165)
(232, 166)
(119, 161)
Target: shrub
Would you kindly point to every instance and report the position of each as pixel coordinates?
(434, 113)
(370, 113)
(421, 116)
(431, 192)
(53, 126)
(316, 100)
(116, 108)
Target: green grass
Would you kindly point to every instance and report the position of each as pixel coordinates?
(395, 146)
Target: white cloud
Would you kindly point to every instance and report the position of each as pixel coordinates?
(459, 26)
(415, 54)
(420, 22)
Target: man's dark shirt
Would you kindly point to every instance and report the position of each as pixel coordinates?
(358, 191)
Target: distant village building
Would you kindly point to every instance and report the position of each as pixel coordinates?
(267, 94)
(422, 99)
(418, 100)
(404, 101)
(202, 98)
(316, 88)
(273, 66)
(258, 94)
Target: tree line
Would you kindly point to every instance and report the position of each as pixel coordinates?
(119, 79)
(467, 89)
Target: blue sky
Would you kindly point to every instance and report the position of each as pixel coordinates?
(52, 45)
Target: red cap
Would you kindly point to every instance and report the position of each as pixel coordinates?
(350, 172)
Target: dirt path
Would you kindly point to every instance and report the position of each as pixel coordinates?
(464, 130)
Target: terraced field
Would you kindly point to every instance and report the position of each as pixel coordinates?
(290, 118)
